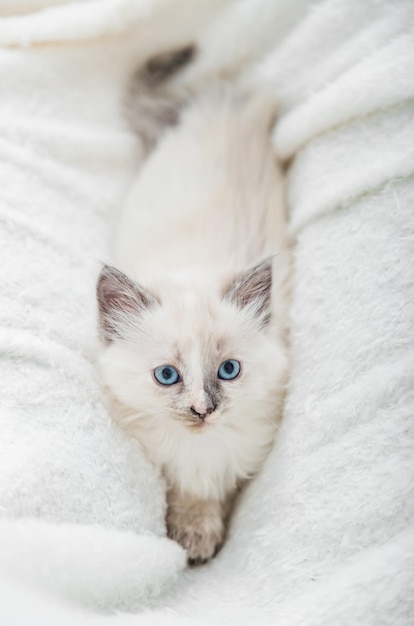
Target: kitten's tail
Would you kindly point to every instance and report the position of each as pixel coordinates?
(149, 106)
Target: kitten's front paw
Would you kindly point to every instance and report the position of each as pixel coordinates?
(197, 525)
(201, 543)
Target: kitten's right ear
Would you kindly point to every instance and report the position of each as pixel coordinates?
(120, 301)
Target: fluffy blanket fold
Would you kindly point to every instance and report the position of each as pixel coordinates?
(325, 534)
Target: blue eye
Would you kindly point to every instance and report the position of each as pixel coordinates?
(229, 369)
(166, 375)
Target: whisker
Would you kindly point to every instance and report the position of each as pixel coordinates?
(269, 419)
(128, 419)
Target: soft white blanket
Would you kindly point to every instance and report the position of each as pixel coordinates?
(325, 535)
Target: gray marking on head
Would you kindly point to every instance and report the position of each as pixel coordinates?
(213, 390)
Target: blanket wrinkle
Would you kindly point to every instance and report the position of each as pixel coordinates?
(331, 43)
(77, 21)
(344, 100)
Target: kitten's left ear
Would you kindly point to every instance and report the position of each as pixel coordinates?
(253, 289)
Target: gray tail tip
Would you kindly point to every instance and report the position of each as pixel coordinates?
(165, 64)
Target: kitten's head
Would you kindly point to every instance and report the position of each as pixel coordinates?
(190, 353)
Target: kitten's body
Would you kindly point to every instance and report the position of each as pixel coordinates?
(206, 207)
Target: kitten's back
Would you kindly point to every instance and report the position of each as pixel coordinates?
(210, 194)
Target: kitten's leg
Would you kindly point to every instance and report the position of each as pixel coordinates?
(196, 524)
(150, 107)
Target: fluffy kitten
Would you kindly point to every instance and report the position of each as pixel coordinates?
(193, 322)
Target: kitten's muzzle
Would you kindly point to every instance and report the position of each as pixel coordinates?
(202, 412)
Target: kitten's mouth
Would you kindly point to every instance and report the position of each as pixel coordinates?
(200, 425)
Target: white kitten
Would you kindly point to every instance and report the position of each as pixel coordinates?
(193, 327)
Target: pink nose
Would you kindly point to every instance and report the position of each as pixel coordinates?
(202, 411)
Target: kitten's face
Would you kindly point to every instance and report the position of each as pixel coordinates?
(190, 356)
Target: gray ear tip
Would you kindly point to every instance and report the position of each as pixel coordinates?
(120, 296)
(109, 282)
(268, 262)
(252, 289)
(108, 270)
(103, 275)
(110, 273)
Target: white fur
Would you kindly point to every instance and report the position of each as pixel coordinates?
(206, 205)
(324, 537)
(210, 195)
